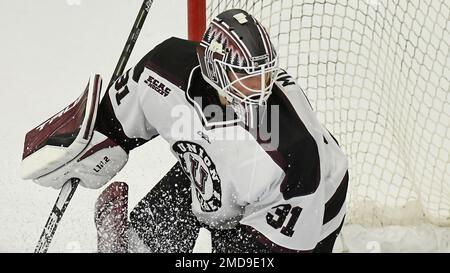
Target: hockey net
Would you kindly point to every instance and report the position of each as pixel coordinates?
(377, 74)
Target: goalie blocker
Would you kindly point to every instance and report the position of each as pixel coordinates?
(67, 146)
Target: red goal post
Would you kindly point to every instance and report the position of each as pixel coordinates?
(196, 19)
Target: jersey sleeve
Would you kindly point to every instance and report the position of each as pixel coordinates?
(292, 225)
(121, 114)
(137, 106)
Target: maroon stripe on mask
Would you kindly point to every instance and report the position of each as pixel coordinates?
(234, 44)
(265, 39)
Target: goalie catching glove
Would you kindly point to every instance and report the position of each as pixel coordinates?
(66, 146)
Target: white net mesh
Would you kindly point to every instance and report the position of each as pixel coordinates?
(377, 73)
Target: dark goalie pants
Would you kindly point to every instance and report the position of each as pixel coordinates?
(164, 222)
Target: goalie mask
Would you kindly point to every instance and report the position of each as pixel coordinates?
(237, 58)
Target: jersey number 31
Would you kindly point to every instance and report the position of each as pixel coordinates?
(281, 216)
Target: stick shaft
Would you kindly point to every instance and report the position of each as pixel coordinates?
(67, 191)
(131, 41)
(64, 197)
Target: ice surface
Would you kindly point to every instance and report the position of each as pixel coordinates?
(48, 50)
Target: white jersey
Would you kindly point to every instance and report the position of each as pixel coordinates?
(289, 192)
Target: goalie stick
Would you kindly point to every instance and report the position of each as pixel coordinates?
(70, 186)
(58, 209)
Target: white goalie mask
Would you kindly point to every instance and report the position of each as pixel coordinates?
(237, 58)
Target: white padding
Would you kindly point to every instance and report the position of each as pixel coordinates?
(50, 157)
